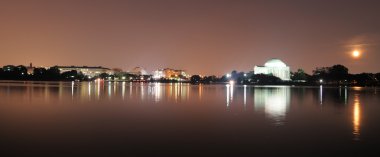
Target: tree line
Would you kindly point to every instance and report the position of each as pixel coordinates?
(20, 72)
(335, 75)
(11, 72)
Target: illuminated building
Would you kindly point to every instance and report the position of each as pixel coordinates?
(88, 71)
(274, 67)
(30, 69)
(170, 74)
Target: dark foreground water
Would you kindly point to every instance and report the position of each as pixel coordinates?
(153, 119)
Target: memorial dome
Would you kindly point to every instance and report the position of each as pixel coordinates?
(275, 63)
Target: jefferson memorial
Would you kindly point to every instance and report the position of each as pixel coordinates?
(275, 67)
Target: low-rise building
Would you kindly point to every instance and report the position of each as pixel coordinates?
(171, 74)
(88, 71)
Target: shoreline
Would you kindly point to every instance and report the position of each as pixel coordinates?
(187, 82)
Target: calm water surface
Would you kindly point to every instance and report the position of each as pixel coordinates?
(155, 119)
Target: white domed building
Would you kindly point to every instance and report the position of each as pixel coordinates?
(274, 67)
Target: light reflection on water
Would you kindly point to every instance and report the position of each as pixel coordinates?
(356, 117)
(162, 117)
(273, 101)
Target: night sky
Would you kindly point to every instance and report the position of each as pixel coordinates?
(201, 36)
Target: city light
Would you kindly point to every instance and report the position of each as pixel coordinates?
(228, 75)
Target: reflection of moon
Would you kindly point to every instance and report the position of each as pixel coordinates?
(356, 54)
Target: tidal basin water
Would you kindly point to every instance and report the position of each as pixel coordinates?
(178, 119)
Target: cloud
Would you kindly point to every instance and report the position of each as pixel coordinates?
(362, 41)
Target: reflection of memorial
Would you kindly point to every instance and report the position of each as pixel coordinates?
(274, 101)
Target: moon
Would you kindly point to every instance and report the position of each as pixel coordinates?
(356, 54)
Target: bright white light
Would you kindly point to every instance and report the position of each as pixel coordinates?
(228, 95)
(321, 94)
(72, 89)
(232, 82)
(275, 63)
(245, 75)
(320, 81)
(228, 75)
(245, 95)
(274, 101)
(356, 54)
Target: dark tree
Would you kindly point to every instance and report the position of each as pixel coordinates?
(223, 78)
(209, 79)
(240, 78)
(11, 72)
(21, 70)
(53, 73)
(104, 76)
(195, 79)
(321, 73)
(377, 76)
(72, 75)
(300, 75)
(338, 73)
(1, 73)
(234, 74)
(364, 79)
(40, 74)
(265, 79)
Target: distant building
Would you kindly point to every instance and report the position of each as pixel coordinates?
(170, 74)
(274, 67)
(30, 69)
(139, 71)
(88, 71)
